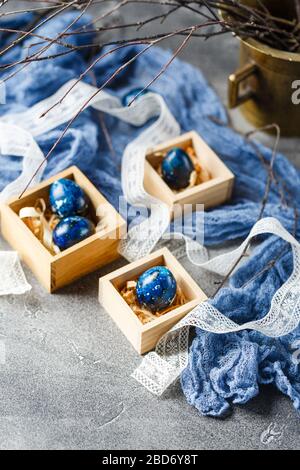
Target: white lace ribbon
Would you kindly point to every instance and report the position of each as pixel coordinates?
(12, 277)
(72, 97)
(160, 368)
(17, 142)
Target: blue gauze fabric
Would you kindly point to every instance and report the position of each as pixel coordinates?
(223, 369)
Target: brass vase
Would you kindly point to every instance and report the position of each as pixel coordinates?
(267, 84)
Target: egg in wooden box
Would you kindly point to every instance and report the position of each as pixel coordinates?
(186, 171)
(96, 249)
(144, 326)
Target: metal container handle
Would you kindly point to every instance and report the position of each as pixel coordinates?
(234, 97)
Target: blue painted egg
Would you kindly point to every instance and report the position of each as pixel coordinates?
(126, 100)
(72, 230)
(156, 288)
(67, 198)
(177, 168)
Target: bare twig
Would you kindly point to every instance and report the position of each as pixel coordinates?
(286, 200)
(270, 178)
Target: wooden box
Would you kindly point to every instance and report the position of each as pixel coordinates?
(55, 271)
(211, 193)
(144, 337)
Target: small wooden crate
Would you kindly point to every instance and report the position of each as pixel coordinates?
(211, 193)
(55, 271)
(144, 337)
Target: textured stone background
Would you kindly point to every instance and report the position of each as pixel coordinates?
(66, 381)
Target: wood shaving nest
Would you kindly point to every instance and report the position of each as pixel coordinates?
(198, 176)
(145, 316)
(37, 224)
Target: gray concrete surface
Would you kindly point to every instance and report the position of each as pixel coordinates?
(66, 381)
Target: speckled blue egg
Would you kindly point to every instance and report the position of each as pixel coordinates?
(177, 168)
(126, 100)
(156, 288)
(72, 230)
(67, 198)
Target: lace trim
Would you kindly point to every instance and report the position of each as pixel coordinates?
(13, 280)
(160, 368)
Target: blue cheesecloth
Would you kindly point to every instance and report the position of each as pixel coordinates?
(222, 369)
